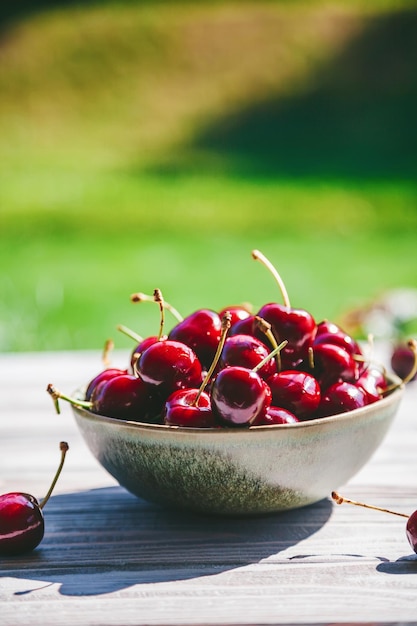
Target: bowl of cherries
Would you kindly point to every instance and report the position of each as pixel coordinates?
(236, 412)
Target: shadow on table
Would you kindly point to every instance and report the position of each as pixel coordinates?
(104, 540)
(403, 565)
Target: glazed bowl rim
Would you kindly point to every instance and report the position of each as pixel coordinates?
(225, 430)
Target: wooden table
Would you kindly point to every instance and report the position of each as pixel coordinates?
(108, 558)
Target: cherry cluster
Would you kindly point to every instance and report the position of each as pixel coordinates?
(236, 368)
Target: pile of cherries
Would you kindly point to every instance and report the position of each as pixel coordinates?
(236, 368)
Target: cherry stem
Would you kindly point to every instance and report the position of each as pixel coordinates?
(341, 500)
(143, 297)
(129, 333)
(56, 395)
(269, 356)
(311, 361)
(157, 294)
(258, 256)
(108, 347)
(412, 344)
(226, 323)
(266, 328)
(63, 446)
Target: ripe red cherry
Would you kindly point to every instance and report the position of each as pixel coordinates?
(298, 392)
(141, 347)
(275, 415)
(342, 397)
(122, 397)
(239, 395)
(22, 524)
(332, 363)
(127, 397)
(189, 408)
(201, 332)
(373, 381)
(170, 365)
(247, 351)
(296, 326)
(102, 377)
(338, 338)
(411, 531)
(237, 313)
(402, 361)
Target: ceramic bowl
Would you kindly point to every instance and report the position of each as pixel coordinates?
(235, 471)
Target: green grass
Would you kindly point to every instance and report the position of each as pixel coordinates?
(143, 145)
(69, 273)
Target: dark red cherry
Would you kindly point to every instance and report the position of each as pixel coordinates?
(339, 338)
(141, 343)
(296, 326)
(200, 331)
(127, 397)
(102, 377)
(326, 326)
(402, 361)
(372, 379)
(298, 392)
(237, 313)
(333, 363)
(170, 365)
(239, 395)
(250, 326)
(189, 408)
(411, 531)
(141, 347)
(275, 415)
(247, 351)
(22, 524)
(342, 397)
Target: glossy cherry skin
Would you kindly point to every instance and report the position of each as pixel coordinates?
(141, 347)
(341, 339)
(200, 331)
(298, 392)
(342, 397)
(127, 397)
(247, 351)
(296, 326)
(373, 381)
(275, 415)
(102, 377)
(411, 531)
(170, 365)
(239, 395)
(180, 410)
(333, 363)
(326, 326)
(22, 524)
(237, 314)
(249, 326)
(402, 361)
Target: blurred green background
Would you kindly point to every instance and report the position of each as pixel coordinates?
(154, 144)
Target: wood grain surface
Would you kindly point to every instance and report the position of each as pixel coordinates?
(109, 558)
